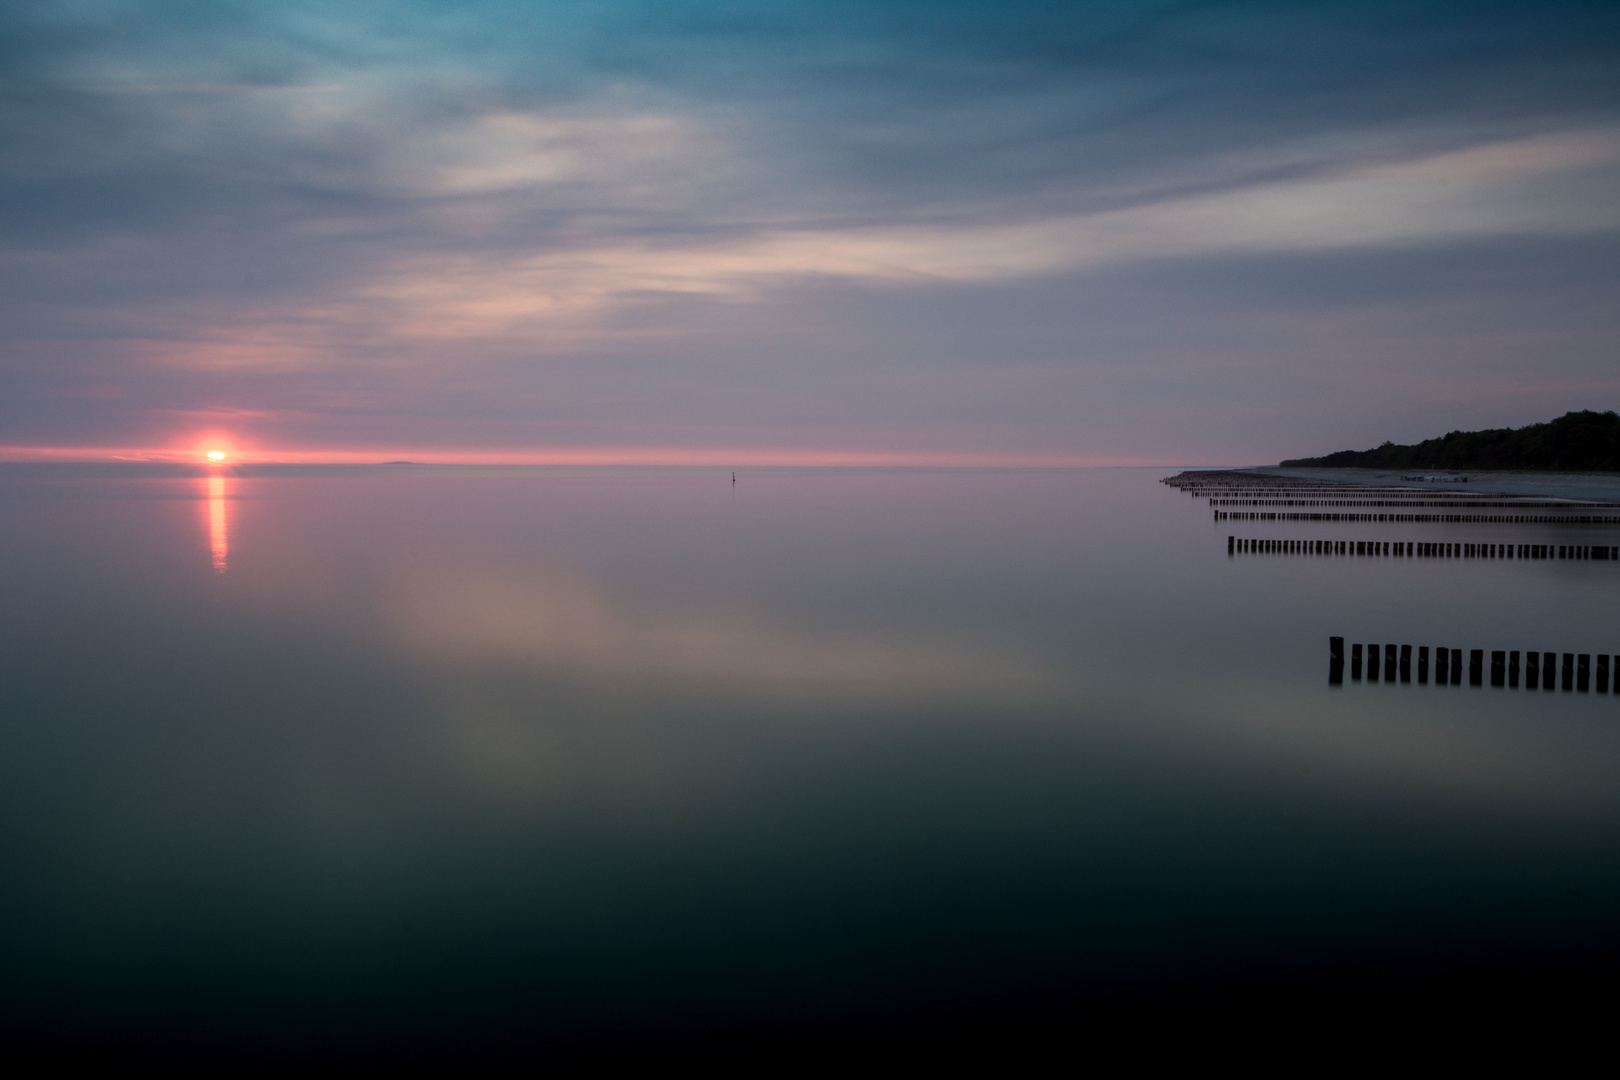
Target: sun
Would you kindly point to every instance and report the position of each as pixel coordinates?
(216, 455)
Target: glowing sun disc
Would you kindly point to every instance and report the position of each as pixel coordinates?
(216, 455)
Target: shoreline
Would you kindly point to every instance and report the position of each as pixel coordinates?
(1584, 487)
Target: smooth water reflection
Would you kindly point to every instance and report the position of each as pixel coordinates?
(554, 748)
(219, 528)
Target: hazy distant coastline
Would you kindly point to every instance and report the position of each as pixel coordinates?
(1582, 486)
(1577, 442)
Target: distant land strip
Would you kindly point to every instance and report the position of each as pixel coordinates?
(1471, 519)
(1583, 441)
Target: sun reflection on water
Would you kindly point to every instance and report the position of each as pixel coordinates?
(218, 524)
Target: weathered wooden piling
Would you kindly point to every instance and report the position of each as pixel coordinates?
(1532, 670)
(1476, 666)
(1603, 673)
(1569, 671)
(1456, 667)
(1583, 673)
(1442, 666)
(1513, 669)
(1372, 663)
(1424, 550)
(1498, 667)
(1355, 662)
(1549, 671)
(1423, 664)
(1406, 663)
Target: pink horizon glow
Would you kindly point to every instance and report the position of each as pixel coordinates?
(718, 457)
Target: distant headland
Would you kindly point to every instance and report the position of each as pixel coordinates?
(1583, 441)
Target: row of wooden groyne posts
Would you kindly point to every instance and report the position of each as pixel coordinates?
(1466, 519)
(1541, 670)
(1238, 488)
(1396, 549)
(1428, 501)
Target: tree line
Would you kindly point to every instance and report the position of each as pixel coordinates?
(1583, 441)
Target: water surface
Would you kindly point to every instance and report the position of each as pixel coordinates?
(406, 752)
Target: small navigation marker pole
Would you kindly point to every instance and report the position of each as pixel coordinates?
(733, 478)
(1336, 661)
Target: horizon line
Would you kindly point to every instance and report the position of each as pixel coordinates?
(724, 457)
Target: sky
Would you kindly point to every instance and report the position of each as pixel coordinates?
(735, 233)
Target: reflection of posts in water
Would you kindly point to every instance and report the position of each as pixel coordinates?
(218, 525)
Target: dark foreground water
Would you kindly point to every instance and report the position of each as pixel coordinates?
(409, 756)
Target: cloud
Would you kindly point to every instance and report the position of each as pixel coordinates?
(459, 209)
(1518, 187)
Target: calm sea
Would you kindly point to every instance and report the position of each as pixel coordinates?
(406, 753)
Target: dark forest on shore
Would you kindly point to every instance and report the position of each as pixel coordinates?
(1584, 441)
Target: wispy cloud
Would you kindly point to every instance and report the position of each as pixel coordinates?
(631, 214)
